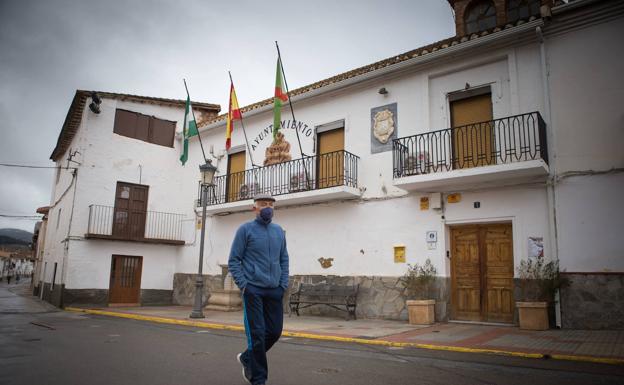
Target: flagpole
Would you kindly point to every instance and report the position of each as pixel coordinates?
(242, 125)
(193, 112)
(292, 111)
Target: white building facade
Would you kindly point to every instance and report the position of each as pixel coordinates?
(473, 152)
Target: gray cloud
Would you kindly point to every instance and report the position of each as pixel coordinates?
(48, 49)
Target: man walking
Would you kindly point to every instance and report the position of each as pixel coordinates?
(258, 263)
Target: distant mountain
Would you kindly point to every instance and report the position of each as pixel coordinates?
(4, 240)
(17, 234)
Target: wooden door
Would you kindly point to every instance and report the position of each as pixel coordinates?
(482, 273)
(236, 178)
(499, 271)
(125, 280)
(130, 211)
(330, 164)
(472, 131)
(465, 274)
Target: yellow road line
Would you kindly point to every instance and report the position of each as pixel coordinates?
(201, 324)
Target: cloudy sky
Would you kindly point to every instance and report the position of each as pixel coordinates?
(50, 48)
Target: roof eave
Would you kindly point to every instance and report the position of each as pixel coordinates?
(418, 60)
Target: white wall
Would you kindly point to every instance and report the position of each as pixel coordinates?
(360, 235)
(90, 263)
(107, 158)
(587, 89)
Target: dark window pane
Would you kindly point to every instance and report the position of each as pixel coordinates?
(162, 132)
(125, 123)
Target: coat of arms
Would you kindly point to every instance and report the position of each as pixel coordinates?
(383, 125)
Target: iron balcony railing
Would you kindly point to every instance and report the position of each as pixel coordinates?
(135, 225)
(512, 139)
(338, 168)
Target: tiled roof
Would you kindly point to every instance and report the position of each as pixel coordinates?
(74, 115)
(437, 46)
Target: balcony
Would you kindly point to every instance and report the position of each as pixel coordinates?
(311, 179)
(107, 222)
(481, 154)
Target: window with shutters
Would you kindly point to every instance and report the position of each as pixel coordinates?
(143, 127)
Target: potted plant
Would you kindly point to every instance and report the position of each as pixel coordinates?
(418, 282)
(539, 280)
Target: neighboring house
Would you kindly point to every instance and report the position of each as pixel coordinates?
(473, 152)
(117, 202)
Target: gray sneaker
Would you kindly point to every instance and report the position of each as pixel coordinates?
(246, 370)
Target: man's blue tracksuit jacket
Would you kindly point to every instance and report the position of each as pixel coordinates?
(258, 263)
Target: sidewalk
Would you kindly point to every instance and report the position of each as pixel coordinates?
(603, 346)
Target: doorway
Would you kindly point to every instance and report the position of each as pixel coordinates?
(125, 280)
(236, 177)
(330, 164)
(130, 211)
(482, 271)
(473, 131)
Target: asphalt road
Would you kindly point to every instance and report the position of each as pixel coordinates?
(40, 345)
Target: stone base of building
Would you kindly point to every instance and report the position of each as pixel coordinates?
(156, 297)
(378, 297)
(62, 297)
(184, 288)
(593, 301)
(53, 295)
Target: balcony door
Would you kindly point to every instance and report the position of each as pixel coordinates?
(482, 273)
(472, 131)
(330, 164)
(236, 178)
(130, 211)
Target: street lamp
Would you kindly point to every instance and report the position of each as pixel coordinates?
(207, 172)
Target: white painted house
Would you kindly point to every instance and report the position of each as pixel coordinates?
(474, 152)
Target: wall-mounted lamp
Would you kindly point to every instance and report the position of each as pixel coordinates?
(383, 91)
(95, 103)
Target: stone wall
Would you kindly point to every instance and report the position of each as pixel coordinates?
(53, 296)
(96, 297)
(593, 301)
(184, 288)
(378, 297)
(153, 297)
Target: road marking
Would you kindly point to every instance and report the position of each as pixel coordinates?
(321, 337)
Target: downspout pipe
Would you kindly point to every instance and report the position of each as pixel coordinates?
(552, 180)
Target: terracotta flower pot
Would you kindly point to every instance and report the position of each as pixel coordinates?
(421, 312)
(533, 315)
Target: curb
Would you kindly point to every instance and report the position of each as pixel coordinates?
(322, 337)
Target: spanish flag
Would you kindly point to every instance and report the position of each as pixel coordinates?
(233, 114)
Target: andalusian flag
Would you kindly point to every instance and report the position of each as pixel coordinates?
(281, 96)
(234, 113)
(190, 128)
